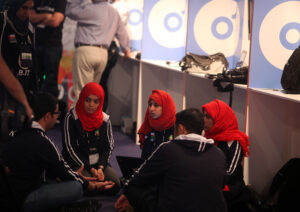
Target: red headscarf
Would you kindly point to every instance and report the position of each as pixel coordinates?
(165, 121)
(225, 126)
(93, 121)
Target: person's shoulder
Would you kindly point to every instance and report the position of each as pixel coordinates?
(111, 8)
(35, 132)
(41, 135)
(167, 146)
(106, 117)
(72, 114)
(27, 135)
(218, 152)
(26, 130)
(72, 121)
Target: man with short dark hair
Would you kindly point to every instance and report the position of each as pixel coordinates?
(32, 157)
(185, 174)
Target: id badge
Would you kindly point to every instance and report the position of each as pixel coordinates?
(25, 57)
(94, 158)
(41, 26)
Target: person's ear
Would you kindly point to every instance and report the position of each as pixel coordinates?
(181, 129)
(47, 116)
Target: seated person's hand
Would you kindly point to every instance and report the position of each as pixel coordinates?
(97, 186)
(29, 112)
(122, 203)
(103, 185)
(127, 53)
(98, 174)
(79, 171)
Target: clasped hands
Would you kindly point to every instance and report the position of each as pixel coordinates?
(98, 173)
(96, 182)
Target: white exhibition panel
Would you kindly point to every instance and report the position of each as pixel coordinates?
(164, 29)
(275, 35)
(274, 133)
(123, 90)
(135, 23)
(218, 26)
(200, 90)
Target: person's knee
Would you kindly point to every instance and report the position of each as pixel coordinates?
(75, 188)
(78, 189)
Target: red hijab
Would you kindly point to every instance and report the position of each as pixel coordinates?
(225, 126)
(165, 121)
(93, 121)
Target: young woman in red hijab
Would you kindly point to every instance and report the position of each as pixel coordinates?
(158, 122)
(220, 124)
(87, 137)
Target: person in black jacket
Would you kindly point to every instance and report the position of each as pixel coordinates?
(17, 42)
(185, 174)
(48, 17)
(32, 158)
(158, 125)
(87, 137)
(220, 124)
(16, 46)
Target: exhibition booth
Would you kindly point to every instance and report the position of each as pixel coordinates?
(164, 31)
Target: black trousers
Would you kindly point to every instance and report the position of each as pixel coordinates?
(113, 55)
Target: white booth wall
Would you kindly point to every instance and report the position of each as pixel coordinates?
(123, 90)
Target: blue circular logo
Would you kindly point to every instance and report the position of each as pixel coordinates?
(283, 33)
(216, 22)
(137, 13)
(173, 28)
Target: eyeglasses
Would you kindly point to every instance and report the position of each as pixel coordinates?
(26, 8)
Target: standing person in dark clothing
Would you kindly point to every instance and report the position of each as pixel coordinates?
(112, 58)
(87, 137)
(220, 124)
(48, 16)
(189, 173)
(32, 156)
(158, 122)
(16, 49)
